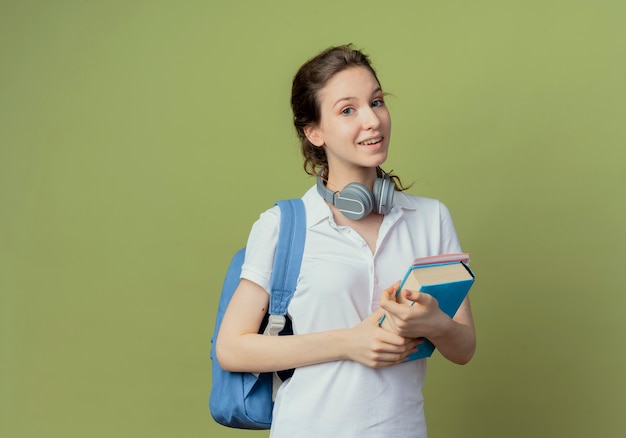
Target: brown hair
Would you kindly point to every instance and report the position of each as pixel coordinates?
(305, 105)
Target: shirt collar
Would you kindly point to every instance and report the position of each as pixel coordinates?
(317, 210)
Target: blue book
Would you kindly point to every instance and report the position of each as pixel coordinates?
(447, 278)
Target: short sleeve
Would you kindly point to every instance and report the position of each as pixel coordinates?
(449, 240)
(260, 249)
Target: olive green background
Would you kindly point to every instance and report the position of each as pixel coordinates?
(139, 140)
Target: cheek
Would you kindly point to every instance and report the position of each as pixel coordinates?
(351, 129)
(386, 119)
(342, 130)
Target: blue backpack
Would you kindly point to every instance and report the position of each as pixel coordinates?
(246, 400)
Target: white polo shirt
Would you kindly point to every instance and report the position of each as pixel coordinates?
(339, 285)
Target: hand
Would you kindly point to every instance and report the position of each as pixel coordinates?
(376, 347)
(412, 314)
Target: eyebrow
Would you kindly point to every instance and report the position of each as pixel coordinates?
(350, 98)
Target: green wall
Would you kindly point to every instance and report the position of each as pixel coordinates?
(140, 139)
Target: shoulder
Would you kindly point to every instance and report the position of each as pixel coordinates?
(433, 218)
(419, 203)
(266, 228)
(422, 209)
(269, 219)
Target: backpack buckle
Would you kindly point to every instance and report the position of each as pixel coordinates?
(275, 324)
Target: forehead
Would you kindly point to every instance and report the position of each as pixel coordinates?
(351, 83)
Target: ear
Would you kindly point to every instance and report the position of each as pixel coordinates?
(314, 135)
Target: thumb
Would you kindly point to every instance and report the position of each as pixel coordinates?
(422, 298)
(412, 295)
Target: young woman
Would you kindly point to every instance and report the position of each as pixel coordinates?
(350, 379)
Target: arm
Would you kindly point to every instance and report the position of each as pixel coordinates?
(455, 338)
(240, 348)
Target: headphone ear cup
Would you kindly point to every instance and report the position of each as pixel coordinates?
(383, 194)
(355, 201)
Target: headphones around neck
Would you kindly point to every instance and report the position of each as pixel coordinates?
(356, 201)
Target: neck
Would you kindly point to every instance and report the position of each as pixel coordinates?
(338, 180)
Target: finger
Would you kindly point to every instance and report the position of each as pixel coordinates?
(389, 359)
(390, 292)
(388, 301)
(375, 316)
(391, 338)
(413, 342)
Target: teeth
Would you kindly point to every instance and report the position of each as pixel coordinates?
(372, 141)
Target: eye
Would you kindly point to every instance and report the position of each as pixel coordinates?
(347, 111)
(378, 102)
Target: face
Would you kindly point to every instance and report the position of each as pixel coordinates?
(355, 125)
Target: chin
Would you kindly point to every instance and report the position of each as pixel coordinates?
(380, 159)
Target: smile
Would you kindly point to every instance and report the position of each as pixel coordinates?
(371, 141)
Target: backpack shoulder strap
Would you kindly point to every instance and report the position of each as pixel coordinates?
(287, 261)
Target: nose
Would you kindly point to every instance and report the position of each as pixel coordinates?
(371, 120)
